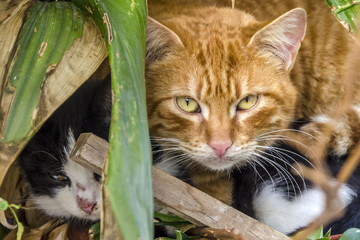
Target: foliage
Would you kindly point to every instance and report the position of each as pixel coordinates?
(48, 33)
(95, 231)
(347, 12)
(4, 205)
(319, 235)
(128, 182)
(179, 236)
(351, 234)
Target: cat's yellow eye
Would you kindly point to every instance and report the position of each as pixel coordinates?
(247, 102)
(188, 104)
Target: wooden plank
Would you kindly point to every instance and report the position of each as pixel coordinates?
(202, 209)
(90, 151)
(179, 197)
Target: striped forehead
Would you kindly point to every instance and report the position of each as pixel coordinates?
(218, 64)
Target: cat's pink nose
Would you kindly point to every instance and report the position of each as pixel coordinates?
(220, 147)
(85, 205)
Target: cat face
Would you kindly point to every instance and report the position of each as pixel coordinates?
(59, 186)
(77, 195)
(218, 86)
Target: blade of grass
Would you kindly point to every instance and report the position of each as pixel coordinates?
(128, 182)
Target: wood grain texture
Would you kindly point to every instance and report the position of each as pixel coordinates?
(201, 209)
(90, 152)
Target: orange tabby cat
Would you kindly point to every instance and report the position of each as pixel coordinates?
(223, 84)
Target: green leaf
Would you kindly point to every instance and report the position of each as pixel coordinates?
(20, 227)
(20, 230)
(173, 220)
(164, 238)
(47, 34)
(168, 218)
(347, 12)
(183, 236)
(328, 233)
(317, 234)
(15, 206)
(123, 23)
(95, 231)
(351, 234)
(3, 204)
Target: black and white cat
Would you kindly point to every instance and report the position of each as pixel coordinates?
(57, 185)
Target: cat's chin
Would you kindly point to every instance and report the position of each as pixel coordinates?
(219, 164)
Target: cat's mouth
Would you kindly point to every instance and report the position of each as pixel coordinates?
(235, 157)
(220, 164)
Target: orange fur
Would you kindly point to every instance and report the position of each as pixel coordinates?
(217, 55)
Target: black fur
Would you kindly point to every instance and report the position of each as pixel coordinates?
(351, 217)
(248, 181)
(87, 110)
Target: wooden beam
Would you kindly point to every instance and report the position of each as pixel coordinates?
(90, 151)
(179, 197)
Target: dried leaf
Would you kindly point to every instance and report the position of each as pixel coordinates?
(60, 81)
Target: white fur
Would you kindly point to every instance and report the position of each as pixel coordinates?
(356, 108)
(168, 166)
(274, 209)
(321, 118)
(204, 111)
(64, 203)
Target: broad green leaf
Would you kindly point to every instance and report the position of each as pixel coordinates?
(347, 12)
(45, 62)
(48, 33)
(351, 234)
(128, 182)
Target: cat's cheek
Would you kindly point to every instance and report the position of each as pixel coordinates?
(63, 200)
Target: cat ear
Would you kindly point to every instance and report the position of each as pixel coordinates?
(282, 37)
(160, 40)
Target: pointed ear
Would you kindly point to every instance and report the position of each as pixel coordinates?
(281, 39)
(160, 40)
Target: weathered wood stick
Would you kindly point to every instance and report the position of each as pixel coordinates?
(202, 209)
(179, 197)
(90, 151)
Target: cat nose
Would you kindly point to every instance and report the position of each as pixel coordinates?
(85, 205)
(220, 147)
